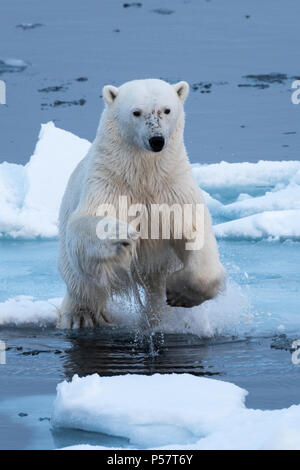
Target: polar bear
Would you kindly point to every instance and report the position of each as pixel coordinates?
(139, 154)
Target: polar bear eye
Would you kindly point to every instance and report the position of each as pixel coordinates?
(167, 111)
(137, 113)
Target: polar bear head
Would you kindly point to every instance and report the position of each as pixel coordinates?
(146, 112)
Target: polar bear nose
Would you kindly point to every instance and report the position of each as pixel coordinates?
(157, 143)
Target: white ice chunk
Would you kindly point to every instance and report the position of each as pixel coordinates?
(30, 195)
(287, 198)
(148, 410)
(270, 224)
(177, 411)
(24, 310)
(223, 175)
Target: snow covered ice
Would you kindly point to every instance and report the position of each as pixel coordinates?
(268, 224)
(253, 200)
(25, 310)
(248, 200)
(30, 195)
(173, 412)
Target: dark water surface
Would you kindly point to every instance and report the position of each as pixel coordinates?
(240, 59)
(38, 360)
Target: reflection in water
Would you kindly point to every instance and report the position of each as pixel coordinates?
(117, 351)
(72, 437)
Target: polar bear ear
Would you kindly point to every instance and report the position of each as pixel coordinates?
(110, 93)
(182, 90)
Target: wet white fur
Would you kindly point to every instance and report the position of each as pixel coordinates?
(120, 162)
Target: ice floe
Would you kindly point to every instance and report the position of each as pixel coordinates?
(247, 200)
(12, 65)
(30, 195)
(173, 411)
(274, 225)
(25, 310)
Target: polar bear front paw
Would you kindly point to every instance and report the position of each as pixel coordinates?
(118, 243)
(184, 291)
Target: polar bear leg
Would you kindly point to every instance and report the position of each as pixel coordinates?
(202, 276)
(72, 316)
(89, 246)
